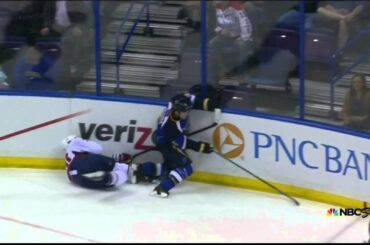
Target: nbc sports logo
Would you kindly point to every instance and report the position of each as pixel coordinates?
(228, 140)
(363, 212)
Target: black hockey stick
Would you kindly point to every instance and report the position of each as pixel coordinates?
(202, 129)
(217, 115)
(264, 181)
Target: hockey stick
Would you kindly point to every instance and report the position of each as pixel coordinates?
(264, 181)
(217, 115)
(202, 129)
(216, 119)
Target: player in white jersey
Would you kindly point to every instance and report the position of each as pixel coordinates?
(87, 167)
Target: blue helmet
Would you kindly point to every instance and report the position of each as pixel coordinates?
(181, 103)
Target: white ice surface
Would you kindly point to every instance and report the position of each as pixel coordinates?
(42, 206)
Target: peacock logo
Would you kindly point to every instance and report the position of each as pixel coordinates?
(332, 212)
(228, 140)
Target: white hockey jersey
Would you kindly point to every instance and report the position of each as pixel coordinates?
(79, 145)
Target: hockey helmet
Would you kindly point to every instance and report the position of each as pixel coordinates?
(68, 140)
(181, 103)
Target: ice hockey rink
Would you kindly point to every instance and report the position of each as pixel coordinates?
(42, 206)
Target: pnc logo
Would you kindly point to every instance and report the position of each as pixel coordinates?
(228, 140)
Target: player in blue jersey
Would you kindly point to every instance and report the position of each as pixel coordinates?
(87, 167)
(171, 141)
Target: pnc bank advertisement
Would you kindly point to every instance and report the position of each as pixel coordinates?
(294, 154)
(229, 140)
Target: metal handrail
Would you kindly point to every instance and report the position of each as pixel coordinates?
(119, 52)
(333, 77)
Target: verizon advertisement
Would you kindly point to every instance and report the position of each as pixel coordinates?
(282, 152)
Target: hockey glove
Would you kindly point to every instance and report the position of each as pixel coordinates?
(205, 147)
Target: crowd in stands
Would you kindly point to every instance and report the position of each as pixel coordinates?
(341, 18)
(57, 39)
(241, 29)
(53, 36)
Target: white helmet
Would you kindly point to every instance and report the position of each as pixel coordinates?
(68, 140)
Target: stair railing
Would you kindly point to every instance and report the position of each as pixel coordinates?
(120, 51)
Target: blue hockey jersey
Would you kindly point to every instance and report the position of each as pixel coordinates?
(171, 131)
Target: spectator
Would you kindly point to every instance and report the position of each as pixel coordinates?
(31, 70)
(69, 20)
(356, 107)
(233, 35)
(22, 25)
(341, 16)
(62, 16)
(26, 22)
